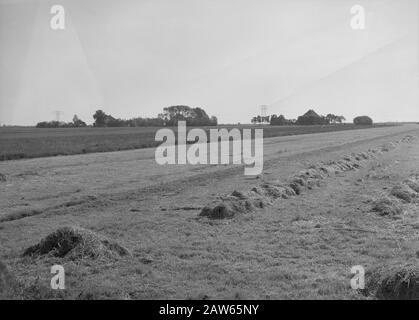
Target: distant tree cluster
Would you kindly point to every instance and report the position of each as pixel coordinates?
(280, 121)
(333, 119)
(260, 119)
(105, 120)
(77, 123)
(309, 118)
(169, 117)
(192, 116)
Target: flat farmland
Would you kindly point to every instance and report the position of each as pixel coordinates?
(30, 142)
(357, 205)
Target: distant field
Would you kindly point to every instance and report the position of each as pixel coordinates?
(30, 142)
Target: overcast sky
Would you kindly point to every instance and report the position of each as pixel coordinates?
(134, 57)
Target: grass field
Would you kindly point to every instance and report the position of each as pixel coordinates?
(30, 142)
(139, 232)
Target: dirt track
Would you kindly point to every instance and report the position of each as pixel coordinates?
(153, 211)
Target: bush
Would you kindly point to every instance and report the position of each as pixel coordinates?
(363, 120)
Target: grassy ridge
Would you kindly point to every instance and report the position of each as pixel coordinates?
(30, 142)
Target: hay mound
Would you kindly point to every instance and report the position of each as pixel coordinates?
(313, 173)
(346, 164)
(362, 156)
(76, 243)
(408, 138)
(2, 177)
(404, 193)
(387, 147)
(274, 191)
(387, 207)
(393, 283)
(296, 187)
(233, 205)
(239, 195)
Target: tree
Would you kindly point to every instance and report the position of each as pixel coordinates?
(78, 122)
(363, 120)
(331, 118)
(279, 120)
(100, 118)
(312, 118)
(214, 121)
(340, 119)
(193, 116)
(48, 124)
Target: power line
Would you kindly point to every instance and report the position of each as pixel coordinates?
(57, 114)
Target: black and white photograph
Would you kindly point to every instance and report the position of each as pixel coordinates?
(209, 155)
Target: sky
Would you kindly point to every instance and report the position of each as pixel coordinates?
(132, 58)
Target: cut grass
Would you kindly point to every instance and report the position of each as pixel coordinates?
(394, 282)
(30, 142)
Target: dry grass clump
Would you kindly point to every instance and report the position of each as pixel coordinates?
(394, 282)
(408, 138)
(388, 146)
(387, 207)
(76, 243)
(237, 203)
(274, 191)
(404, 193)
(362, 156)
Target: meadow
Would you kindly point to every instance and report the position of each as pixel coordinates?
(30, 142)
(134, 229)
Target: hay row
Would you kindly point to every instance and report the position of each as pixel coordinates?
(267, 192)
(406, 192)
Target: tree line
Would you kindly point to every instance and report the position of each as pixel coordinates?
(76, 123)
(198, 117)
(169, 117)
(309, 118)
